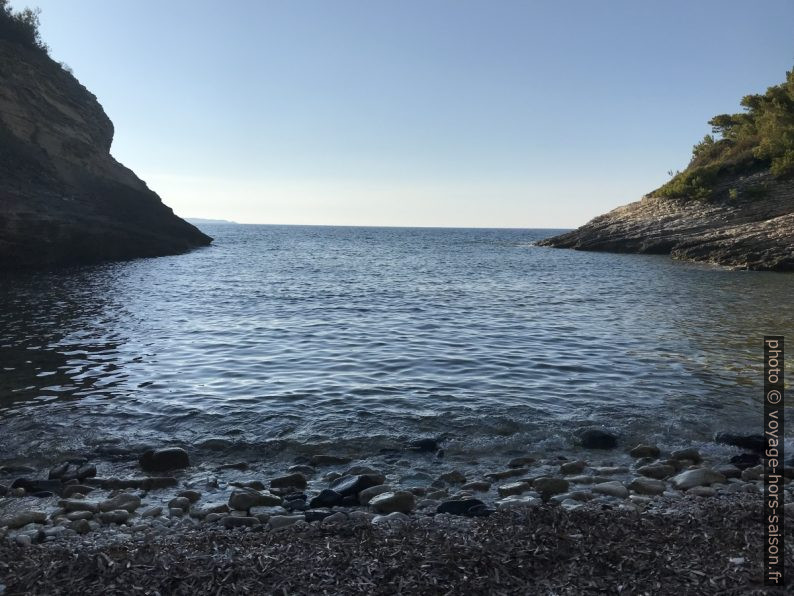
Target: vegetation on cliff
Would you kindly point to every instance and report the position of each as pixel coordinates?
(759, 138)
(21, 27)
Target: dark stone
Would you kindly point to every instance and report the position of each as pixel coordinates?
(295, 505)
(751, 442)
(480, 511)
(352, 485)
(156, 482)
(172, 458)
(72, 470)
(295, 497)
(3, 490)
(296, 480)
(461, 507)
(746, 460)
(315, 516)
(38, 485)
(350, 501)
(255, 484)
(327, 460)
(597, 439)
(327, 498)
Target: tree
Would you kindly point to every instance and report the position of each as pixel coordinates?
(21, 27)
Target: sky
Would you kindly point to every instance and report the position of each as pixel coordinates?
(532, 114)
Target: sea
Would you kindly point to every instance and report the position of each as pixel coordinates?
(291, 340)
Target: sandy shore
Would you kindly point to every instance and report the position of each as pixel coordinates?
(694, 547)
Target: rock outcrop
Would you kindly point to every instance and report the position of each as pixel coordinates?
(63, 198)
(747, 224)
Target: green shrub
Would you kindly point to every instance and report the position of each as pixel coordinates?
(760, 137)
(21, 27)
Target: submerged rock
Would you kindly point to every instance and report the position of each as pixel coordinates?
(162, 460)
(755, 443)
(597, 439)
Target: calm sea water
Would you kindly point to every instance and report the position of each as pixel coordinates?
(294, 339)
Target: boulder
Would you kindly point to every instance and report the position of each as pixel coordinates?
(690, 454)
(327, 498)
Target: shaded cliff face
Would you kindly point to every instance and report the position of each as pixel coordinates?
(741, 227)
(63, 198)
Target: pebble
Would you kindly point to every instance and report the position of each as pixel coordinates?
(729, 471)
(754, 473)
(81, 526)
(461, 507)
(152, 512)
(277, 522)
(613, 488)
(339, 517)
(296, 480)
(514, 488)
(658, 471)
(647, 486)
(328, 460)
(190, 495)
(238, 521)
(691, 454)
(642, 450)
(520, 462)
(702, 491)
(516, 501)
(23, 540)
(548, 486)
(327, 498)
(246, 498)
(126, 501)
(573, 467)
(24, 518)
(118, 516)
(182, 503)
(390, 502)
(611, 470)
(302, 469)
(507, 473)
(78, 505)
(392, 518)
(352, 485)
(697, 477)
(477, 486)
(78, 515)
(71, 489)
(453, 477)
(366, 495)
(201, 512)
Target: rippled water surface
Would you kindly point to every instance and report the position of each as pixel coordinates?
(296, 338)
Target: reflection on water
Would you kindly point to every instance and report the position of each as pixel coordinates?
(283, 336)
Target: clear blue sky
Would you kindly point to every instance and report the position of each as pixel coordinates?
(426, 112)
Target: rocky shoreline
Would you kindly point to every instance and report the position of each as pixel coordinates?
(748, 224)
(69, 506)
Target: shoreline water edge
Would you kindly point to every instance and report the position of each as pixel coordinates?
(162, 495)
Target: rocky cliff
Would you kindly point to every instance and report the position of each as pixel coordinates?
(748, 223)
(63, 198)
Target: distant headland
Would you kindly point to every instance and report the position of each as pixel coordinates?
(733, 205)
